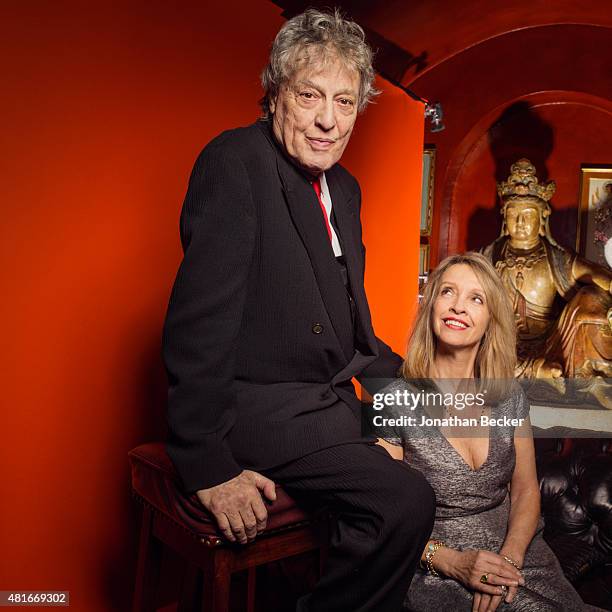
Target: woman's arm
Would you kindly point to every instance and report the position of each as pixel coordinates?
(468, 566)
(397, 452)
(524, 497)
(524, 506)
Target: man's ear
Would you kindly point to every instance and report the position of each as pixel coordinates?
(272, 103)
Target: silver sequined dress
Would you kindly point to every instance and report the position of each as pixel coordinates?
(472, 512)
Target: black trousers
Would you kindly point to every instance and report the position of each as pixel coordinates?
(385, 513)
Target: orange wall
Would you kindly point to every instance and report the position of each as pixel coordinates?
(103, 114)
(386, 155)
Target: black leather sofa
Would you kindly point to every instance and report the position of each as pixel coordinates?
(575, 477)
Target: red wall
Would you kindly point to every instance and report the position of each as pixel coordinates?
(103, 114)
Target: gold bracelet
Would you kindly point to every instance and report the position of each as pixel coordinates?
(432, 549)
(511, 562)
(423, 562)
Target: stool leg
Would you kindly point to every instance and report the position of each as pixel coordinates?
(147, 571)
(251, 572)
(217, 579)
(190, 589)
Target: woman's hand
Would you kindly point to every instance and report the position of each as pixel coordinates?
(486, 603)
(469, 566)
(489, 603)
(517, 557)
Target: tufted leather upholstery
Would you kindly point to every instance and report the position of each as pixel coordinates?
(575, 477)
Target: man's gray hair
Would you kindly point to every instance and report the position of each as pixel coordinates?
(328, 35)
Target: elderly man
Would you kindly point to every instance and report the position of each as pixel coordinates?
(268, 323)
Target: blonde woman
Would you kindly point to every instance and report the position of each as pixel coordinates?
(486, 549)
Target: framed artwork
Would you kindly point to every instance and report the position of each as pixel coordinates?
(427, 184)
(422, 283)
(423, 268)
(423, 259)
(594, 235)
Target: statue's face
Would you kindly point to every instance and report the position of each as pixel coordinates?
(523, 221)
(460, 314)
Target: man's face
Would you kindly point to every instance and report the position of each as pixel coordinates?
(314, 113)
(523, 221)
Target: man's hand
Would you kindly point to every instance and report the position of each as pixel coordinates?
(237, 505)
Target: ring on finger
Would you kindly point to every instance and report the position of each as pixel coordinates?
(484, 578)
(504, 588)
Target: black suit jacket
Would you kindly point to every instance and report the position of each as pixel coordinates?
(259, 343)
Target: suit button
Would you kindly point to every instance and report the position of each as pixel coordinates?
(317, 328)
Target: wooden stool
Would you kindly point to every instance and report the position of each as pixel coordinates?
(180, 522)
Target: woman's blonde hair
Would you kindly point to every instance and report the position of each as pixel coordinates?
(496, 357)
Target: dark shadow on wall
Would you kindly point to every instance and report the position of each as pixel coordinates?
(519, 132)
(484, 226)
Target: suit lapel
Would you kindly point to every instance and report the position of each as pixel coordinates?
(306, 214)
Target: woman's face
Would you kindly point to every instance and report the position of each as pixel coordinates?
(460, 310)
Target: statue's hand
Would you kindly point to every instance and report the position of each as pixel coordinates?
(550, 372)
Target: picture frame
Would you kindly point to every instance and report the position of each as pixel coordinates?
(427, 189)
(423, 269)
(594, 233)
(423, 259)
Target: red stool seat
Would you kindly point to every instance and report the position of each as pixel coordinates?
(180, 522)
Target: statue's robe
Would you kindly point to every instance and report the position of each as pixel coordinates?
(572, 330)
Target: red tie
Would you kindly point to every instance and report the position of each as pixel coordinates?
(316, 183)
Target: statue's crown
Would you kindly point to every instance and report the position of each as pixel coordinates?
(524, 182)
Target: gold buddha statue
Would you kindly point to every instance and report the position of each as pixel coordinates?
(562, 302)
